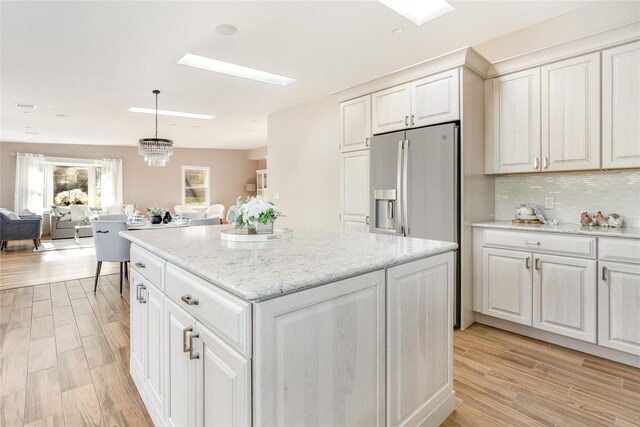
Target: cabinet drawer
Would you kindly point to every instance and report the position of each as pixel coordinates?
(226, 315)
(541, 242)
(148, 265)
(622, 250)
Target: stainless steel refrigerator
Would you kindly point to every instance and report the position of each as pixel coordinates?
(415, 187)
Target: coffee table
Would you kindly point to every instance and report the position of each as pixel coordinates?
(76, 236)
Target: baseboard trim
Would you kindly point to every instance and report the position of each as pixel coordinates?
(442, 412)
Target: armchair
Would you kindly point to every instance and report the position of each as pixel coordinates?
(23, 227)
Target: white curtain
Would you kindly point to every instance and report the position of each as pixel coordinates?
(111, 178)
(29, 193)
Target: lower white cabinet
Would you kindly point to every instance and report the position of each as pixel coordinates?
(506, 285)
(619, 307)
(209, 382)
(419, 336)
(564, 296)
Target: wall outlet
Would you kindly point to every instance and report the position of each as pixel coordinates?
(276, 196)
(549, 203)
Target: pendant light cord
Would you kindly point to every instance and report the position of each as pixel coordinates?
(156, 116)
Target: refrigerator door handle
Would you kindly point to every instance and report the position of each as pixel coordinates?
(400, 196)
(405, 210)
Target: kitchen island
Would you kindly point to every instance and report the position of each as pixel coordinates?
(322, 329)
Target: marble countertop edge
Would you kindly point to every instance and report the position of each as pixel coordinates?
(622, 232)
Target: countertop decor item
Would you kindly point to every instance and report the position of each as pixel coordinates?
(156, 151)
(256, 216)
(565, 228)
(529, 212)
(155, 214)
(277, 234)
(614, 220)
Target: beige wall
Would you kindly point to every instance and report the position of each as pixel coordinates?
(230, 170)
(304, 164)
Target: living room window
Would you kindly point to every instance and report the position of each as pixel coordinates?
(195, 185)
(73, 181)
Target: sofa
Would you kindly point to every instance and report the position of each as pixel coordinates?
(19, 227)
(213, 215)
(62, 225)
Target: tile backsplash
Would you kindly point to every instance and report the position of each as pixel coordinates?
(575, 192)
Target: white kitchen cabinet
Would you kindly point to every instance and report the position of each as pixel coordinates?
(621, 107)
(354, 173)
(261, 183)
(564, 296)
(619, 306)
(513, 122)
(223, 382)
(507, 285)
(180, 408)
(435, 99)
(571, 114)
(355, 124)
(136, 365)
(431, 100)
(390, 109)
(319, 357)
(419, 337)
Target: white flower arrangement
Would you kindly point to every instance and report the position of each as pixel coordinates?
(71, 197)
(257, 210)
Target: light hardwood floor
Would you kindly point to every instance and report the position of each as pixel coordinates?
(19, 266)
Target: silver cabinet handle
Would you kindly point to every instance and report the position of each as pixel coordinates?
(412, 120)
(532, 243)
(138, 288)
(406, 120)
(140, 265)
(367, 220)
(366, 142)
(189, 300)
(537, 263)
(536, 163)
(545, 162)
(604, 273)
(142, 299)
(528, 263)
(185, 332)
(193, 355)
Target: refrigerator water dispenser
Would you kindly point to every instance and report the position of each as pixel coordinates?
(385, 204)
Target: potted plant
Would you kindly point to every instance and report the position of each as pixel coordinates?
(155, 214)
(258, 215)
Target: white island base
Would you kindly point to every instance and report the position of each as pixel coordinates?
(370, 350)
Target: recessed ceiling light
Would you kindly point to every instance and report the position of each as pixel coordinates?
(419, 12)
(195, 127)
(170, 113)
(28, 127)
(32, 133)
(216, 66)
(249, 130)
(226, 29)
(32, 106)
(61, 115)
(26, 112)
(173, 124)
(397, 30)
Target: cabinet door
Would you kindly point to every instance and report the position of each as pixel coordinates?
(180, 409)
(355, 121)
(571, 114)
(154, 348)
(619, 307)
(136, 364)
(514, 121)
(564, 296)
(419, 339)
(507, 285)
(319, 355)
(435, 99)
(355, 190)
(223, 382)
(621, 107)
(391, 109)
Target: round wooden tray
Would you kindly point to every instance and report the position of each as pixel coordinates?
(278, 234)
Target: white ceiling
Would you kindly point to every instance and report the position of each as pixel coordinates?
(93, 60)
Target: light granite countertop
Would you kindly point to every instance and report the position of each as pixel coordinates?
(624, 232)
(263, 270)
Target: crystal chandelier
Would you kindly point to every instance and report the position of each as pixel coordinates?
(156, 151)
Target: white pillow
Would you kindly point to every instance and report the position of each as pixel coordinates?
(112, 210)
(63, 213)
(194, 215)
(79, 212)
(12, 215)
(129, 210)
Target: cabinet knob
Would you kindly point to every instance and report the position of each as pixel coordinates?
(537, 263)
(366, 142)
(412, 120)
(532, 243)
(185, 332)
(193, 355)
(536, 163)
(138, 295)
(406, 120)
(545, 162)
(367, 220)
(528, 263)
(604, 273)
(140, 264)
(189, 300)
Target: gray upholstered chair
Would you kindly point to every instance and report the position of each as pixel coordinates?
(110, 246)
(23, 227)
(113, 217)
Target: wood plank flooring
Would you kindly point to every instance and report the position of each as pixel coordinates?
(504, 379)
(64, 358)
(19, 266)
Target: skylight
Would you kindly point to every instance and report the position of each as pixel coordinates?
(419, 11)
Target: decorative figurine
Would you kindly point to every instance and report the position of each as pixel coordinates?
(167, 218)
(601, 219)
(585, 219)
(614, 220)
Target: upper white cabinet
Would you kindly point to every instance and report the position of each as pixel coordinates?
(355, 191)
(431, 100)
(391, 109)
(571, 114)
(435, 99)
(261, 183)
(355, 121)
(513, 121)
(621, 107)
